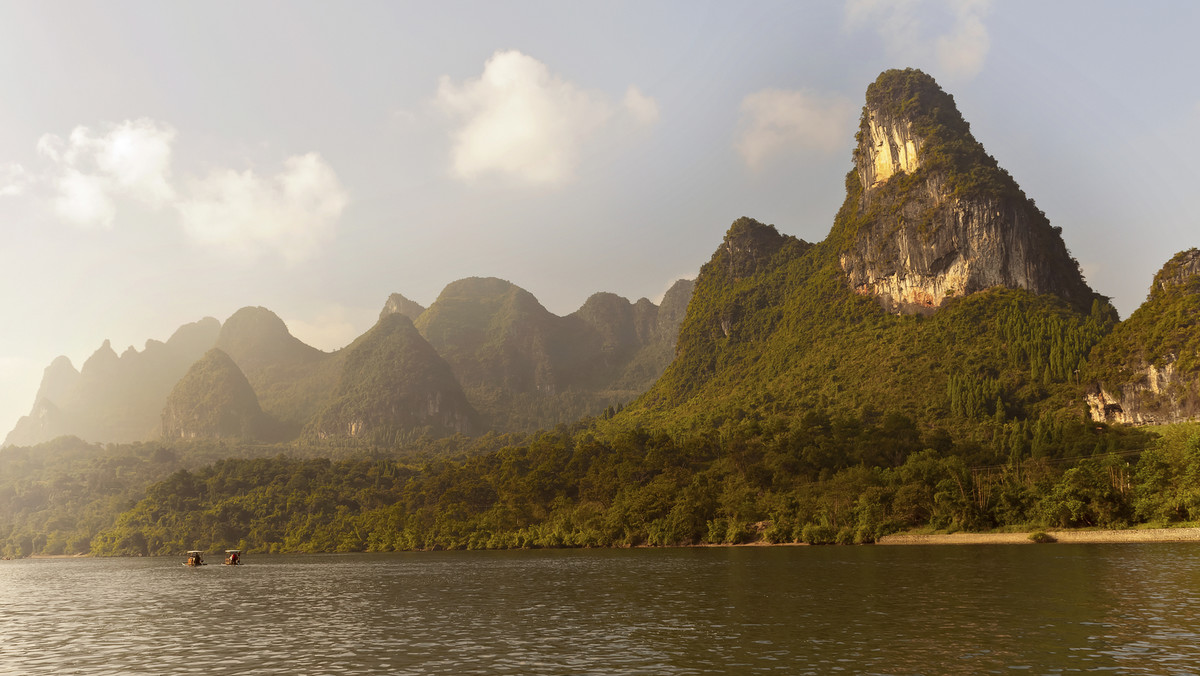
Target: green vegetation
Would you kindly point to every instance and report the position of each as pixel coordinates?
(571, 489)
(214, 399)
(55, 497)
(996, 371)
(394, 384)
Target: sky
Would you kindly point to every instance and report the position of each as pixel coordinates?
(164, 162)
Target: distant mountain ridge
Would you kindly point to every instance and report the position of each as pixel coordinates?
(526, 368)
(113, 398)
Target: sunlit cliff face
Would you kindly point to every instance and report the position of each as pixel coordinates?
(892, 148)
(921, 242)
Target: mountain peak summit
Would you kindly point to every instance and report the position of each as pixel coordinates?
(929, 215)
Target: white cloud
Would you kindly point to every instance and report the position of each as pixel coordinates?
(293, 212)
(962, 52)
(83, 199)
(776, 122)
(88, 173)
(137, 155)
(958, 52)
(14, 180)
(519, 119)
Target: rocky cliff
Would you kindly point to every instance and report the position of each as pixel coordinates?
(931, 216)
(1147, 371)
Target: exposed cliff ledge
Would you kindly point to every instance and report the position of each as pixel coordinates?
(1156, 396)
(930, 215)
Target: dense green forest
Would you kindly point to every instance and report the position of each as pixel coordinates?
(812, 481)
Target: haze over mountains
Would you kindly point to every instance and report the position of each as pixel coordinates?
(485, 356)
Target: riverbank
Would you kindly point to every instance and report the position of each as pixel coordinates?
(1061, 536)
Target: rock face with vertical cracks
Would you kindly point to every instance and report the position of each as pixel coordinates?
(930, 214)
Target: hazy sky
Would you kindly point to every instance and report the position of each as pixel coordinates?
(162, 162)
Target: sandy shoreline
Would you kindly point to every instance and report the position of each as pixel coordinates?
(1062, 536)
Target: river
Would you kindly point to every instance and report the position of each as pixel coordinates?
(1126, 608)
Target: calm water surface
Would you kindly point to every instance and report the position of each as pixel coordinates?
(889, 610)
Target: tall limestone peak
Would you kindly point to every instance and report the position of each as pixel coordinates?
(255, 335)
(196, 337)
(111, 398)
(674, 304)
(613, 318)
(398, 304)
(750, 250)
(929, 215)
(213, 400)
(102, 362)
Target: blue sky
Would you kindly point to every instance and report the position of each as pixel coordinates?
(162, 162)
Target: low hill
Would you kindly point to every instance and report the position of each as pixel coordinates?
(214, 400)
(394, 385)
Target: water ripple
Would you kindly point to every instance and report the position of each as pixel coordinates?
(921, 610)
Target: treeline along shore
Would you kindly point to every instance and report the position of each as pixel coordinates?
(571, 488)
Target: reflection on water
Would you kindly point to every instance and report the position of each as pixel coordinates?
(931, 610)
